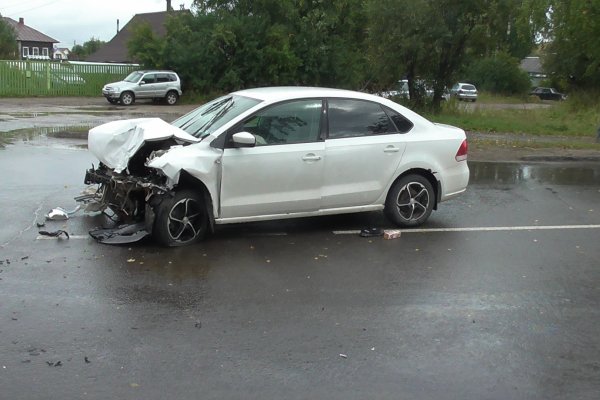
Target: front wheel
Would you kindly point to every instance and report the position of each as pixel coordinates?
(181, 219)
(410, 201)
(127, 98)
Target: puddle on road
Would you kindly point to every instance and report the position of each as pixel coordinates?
(547, 173)
(42, 134)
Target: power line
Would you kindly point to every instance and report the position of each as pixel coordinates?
(34, 8)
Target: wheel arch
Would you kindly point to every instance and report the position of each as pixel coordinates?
(188, 181)
(427, 174)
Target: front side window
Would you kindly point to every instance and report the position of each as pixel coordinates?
(25, 52)
(296, 121)
(352, 118)
(149, 78)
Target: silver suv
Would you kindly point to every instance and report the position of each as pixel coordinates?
(155, 85)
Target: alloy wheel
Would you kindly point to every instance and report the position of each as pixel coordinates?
(185, 221)
(413, 201)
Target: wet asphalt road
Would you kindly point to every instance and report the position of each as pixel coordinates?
(291, 309)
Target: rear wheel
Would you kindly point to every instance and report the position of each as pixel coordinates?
(171, 98)
(410, 201)
(181, 219)
(127, 98)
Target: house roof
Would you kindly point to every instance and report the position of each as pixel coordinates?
(532, 64)
(116, 49)
(28, 34)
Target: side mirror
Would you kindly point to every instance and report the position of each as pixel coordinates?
(142, 83)
(243, 139)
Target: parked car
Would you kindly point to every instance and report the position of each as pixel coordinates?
(402, 90)
(547, 94)
(464, 91)
(272, 153)
(156, 85)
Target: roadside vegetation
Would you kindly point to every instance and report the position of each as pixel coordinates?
(566, 118)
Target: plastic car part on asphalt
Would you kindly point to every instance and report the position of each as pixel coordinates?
(122, 234)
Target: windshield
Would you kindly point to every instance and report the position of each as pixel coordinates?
(133, 77)
(206, 119)
(468, 87)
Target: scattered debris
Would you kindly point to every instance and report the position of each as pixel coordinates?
(131, 260)
(54, 364)
(392, 233)
(60, 214)
(343, 355)
(54, 233)
(87, 361)
(40, 224)
(198, 324)
(120, 235)
(369, 232)
(24, 258)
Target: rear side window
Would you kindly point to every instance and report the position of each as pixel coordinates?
(172, 78)
(402, 124)
(352, 118)
(162, 78)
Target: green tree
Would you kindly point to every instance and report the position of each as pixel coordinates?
(422, 40)
(145, 47)
(573, 54)
(499, 73)
(509, 26)
(8, 41)
(81, 51)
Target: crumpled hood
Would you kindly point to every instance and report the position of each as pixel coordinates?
(116, 142)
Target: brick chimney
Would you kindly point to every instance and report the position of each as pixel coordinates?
(169, 8)
(21, 21)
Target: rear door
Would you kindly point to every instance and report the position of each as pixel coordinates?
(362, 152)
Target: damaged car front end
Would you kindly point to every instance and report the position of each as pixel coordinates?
(143, 173)
(127, 186)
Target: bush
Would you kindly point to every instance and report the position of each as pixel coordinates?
(499, 74)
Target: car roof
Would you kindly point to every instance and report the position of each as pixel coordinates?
(281, 93)
(278, 93)
(154, 70)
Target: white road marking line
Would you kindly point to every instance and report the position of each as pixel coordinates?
(63, 237)
(484, 229)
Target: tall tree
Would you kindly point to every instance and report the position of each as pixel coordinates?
(573, 54)
(8, 41)
(422, 40)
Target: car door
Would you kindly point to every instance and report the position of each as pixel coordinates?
(147, 89)
(362, 152)
(283, 173)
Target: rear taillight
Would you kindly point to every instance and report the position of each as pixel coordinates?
(461, 154)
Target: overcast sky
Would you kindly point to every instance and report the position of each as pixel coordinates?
(77, 21)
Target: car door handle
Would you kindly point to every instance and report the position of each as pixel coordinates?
(311, 157)
(391, 149)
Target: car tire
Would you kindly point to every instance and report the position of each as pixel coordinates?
(181, 219)
(410, 201)
(127, 98)
(171, 98)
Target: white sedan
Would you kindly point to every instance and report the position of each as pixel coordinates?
(272, 153)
